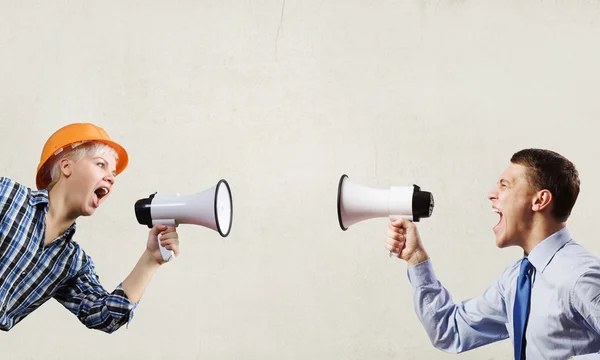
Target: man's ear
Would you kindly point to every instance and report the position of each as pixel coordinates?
(541, 200)
(66, 167)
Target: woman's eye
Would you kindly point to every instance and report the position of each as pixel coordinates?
(101, 164)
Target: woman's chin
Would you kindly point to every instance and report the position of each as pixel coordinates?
(88, 210)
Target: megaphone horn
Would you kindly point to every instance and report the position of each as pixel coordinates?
(211, 208)
(357, 202)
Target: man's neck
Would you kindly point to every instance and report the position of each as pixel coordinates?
(59, 217)
(540, 230)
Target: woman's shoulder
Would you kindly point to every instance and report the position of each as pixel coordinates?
(7, 183)
(10, 188)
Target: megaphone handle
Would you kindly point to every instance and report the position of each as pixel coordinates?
(395, 217)
(167, 254)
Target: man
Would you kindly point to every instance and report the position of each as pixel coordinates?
(39, 258)
(548, 302)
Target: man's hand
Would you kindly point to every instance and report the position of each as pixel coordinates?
(168, 238)
(402, 239)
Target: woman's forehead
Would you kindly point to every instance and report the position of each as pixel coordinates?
(108, 157)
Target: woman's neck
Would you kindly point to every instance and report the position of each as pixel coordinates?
(60, 216)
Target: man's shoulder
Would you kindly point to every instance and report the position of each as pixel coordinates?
(509, 274)
(574, 260)
(575, 253)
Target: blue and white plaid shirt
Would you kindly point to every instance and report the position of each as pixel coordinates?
(31, 273)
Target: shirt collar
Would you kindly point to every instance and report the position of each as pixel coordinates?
(541, 255)
(37, 197)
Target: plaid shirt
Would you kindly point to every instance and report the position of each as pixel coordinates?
(31, 273)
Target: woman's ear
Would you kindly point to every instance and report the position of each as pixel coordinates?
(541, 200)
(66, 167)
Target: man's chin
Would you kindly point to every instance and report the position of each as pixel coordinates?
(501, 241)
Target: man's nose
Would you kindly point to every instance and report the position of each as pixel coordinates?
(493, 195)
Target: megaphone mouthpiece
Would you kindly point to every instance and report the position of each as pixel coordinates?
(422, 203)
(142, 210)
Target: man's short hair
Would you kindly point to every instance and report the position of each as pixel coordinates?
(549, 170)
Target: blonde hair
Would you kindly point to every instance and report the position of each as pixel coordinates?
(75, 153)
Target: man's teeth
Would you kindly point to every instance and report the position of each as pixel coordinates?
(497, 211)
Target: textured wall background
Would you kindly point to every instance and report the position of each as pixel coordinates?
(281, 99)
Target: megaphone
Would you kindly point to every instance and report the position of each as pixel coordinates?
(357, 203)
(211, 208)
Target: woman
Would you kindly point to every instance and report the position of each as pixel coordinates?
(39, 259)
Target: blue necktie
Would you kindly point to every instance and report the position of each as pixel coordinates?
(521, 308)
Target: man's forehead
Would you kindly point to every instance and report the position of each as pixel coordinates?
(513, 172)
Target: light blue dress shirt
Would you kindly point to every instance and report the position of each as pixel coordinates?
(564, 320)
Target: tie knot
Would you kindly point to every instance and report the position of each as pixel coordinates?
(525, 267)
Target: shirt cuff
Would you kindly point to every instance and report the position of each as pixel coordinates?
(121, 306)
(421, 274)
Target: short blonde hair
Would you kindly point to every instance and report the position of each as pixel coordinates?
(75, 153)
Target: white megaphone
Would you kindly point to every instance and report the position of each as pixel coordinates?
(212, 208)
(357, 203)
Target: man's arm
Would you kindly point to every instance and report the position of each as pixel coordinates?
(451, 327)
(585, 299)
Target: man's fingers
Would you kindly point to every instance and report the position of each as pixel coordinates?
(391, 241)
(398, 229)
(395, 247)
(402, 222)
(389, 247)
(394, 235)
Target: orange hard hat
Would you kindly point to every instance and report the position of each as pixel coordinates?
(73, 134)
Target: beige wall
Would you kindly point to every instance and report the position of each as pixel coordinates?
(281, 101)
